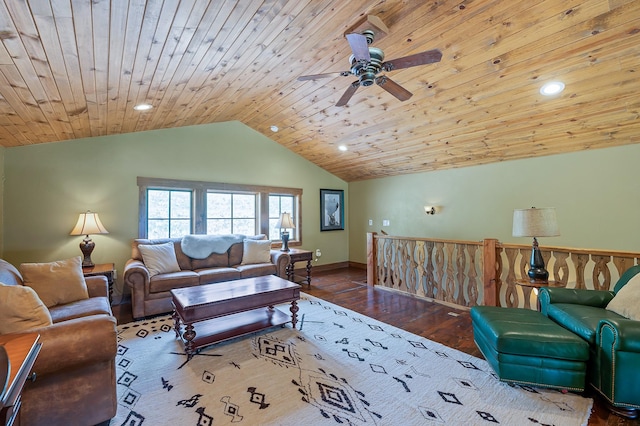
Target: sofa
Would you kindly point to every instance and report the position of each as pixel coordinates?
(151, 290)
(75, 369)
(595, 316)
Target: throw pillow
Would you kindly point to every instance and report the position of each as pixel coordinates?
(626, 302)
(21, 309)
(159, 258)
(256, 251)
(56, 283)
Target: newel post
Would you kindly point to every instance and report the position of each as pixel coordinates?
(489, 268)
(372, 266)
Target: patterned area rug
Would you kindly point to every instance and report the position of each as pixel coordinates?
(339, 368)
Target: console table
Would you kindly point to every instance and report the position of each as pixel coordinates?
(299, 255)
(22, 351)
(106, 269)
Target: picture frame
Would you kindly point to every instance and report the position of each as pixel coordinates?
(331, 210)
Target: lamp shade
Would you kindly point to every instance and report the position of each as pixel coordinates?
(88, 223)
(285, 221)
(535, 222)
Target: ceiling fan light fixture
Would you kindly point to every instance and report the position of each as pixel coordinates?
(552, 88)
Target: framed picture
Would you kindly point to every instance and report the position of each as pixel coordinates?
(331, 209)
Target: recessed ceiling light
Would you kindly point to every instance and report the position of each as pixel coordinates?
(143, 107)
(342, 148)
(274, 128)
(552, 88)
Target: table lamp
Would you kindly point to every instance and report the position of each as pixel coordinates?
(535, 223)
(88, 223)
(285, 223)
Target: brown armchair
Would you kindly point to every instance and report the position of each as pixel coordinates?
(75, 370)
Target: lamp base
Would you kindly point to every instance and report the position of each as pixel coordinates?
(538, 275)
(285, 241)
(86, 247)
(537, 272)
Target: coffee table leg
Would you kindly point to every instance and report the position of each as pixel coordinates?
(189, 335)
(294, 313)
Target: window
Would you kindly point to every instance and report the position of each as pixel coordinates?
(173, 208)
(169, 213)
(279, 204)
(231, 213)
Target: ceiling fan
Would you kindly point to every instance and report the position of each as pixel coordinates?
(367, 63)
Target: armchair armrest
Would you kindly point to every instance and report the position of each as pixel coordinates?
(549, 295)
(75, 342)
(281, 259)
(97, 286)
(619, 334)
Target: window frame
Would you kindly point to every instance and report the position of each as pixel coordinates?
(199, 191)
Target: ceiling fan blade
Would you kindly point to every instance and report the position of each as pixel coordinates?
(422, 58)
(325, 75)
(359, 46)
(394, 88)
(348, 93)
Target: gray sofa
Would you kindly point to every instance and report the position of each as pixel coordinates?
(151, 295)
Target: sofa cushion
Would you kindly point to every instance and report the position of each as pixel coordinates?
(256, 251)
(627, 300)
(580, 319)
(216, 275)
(257, 270)
(57, 282)
(21, 309)
(166, 282)
(183, 260)
(80, 309)
(9, 274)
(236, 250)
(214, 260)
(159, 258)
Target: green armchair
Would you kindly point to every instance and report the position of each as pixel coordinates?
(614, 341)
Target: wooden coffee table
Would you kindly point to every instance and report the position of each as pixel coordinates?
(230, 309)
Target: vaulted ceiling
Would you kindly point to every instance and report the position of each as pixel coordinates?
(75, 68)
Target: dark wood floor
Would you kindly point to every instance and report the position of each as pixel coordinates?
(449, 326)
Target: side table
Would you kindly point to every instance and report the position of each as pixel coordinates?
(299, 255)
(529, 286)
(106, 269)
(22, 350)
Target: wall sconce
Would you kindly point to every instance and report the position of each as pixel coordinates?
(429, 210)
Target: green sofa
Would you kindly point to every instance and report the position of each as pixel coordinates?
(614, 341)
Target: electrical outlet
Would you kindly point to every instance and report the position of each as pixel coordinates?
(386, 222)
(318, 253)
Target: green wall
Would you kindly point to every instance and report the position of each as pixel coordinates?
(595, 193)
(48, 185)
(45, 187)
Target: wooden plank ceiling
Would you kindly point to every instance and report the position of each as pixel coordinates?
(75, 68)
